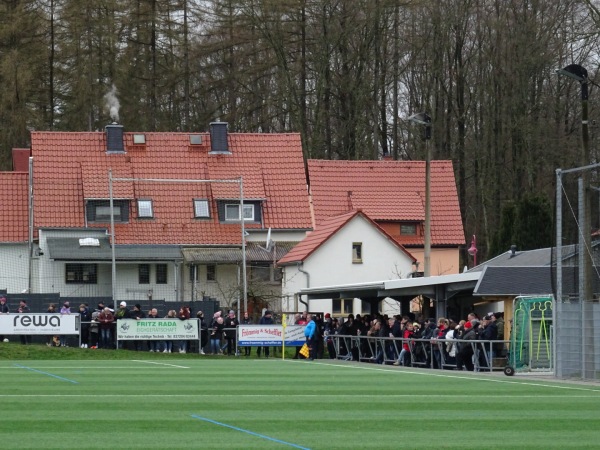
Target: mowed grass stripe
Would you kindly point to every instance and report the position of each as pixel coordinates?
(317, 406)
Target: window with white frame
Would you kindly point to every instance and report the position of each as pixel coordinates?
(99, 211)
(201, 209)
(342, 306)
(232, 212)
(145, 210)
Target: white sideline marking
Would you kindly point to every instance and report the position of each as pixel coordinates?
(276, 398)
(460, 377)
(159, 363)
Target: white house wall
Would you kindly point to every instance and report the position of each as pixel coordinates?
(331, 264)
(51, 274)
(223, 289)
(14, 267)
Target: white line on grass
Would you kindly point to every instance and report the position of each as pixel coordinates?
(278, 397)
(460, 377)
(159, 363)
(132, 367)
(248, 432)
(45, 373)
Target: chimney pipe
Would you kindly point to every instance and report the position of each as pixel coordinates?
(513, 251)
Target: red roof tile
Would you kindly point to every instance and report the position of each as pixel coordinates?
(14, 216)
(324, 231)
(72, 167)
(388, 191)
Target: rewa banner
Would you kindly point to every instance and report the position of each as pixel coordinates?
(156, 329)
(270, 335)
(42, 324)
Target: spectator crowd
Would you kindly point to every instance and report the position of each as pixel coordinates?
(400, 340)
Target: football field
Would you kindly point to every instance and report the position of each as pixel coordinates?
(236, 403)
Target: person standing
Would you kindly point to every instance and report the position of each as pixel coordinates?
(216, 333)
(137, 314)
(171, 314)
(85, 317)
(203, 328)
(230, 331)
(300, 319)
(50, 339)
(310, 332)
(95, 327)
(64, 310)
(246, 320)
(122, 313)
(153, 345)
(267, 319)
(24, 309)
(106, 320)
(184, 314)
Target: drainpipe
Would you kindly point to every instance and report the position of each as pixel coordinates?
(307, 283)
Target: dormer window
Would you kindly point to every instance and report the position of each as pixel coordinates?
(145, 210)
(232, 212)
(229, 211)
(201, 209)
(408, 229)
(99, 211)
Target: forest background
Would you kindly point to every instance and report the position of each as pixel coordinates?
(345, 74)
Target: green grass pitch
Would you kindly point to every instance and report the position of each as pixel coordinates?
(237, 403)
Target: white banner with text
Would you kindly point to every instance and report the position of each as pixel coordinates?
(270, 335)
(157, 329)
(42, 324)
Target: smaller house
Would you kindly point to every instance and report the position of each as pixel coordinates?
(344, 249)
(392, 193)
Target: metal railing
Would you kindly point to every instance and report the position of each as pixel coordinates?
(427, 353)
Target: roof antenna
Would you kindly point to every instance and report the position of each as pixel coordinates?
(269, 243)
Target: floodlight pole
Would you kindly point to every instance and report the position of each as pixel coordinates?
(243, 226)
(580, 74)
(425, 120)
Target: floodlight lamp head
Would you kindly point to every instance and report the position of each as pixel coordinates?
(420, 118)
(574, 71)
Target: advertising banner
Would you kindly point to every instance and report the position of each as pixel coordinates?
(42, 324)
(157, 329)
(270, 335)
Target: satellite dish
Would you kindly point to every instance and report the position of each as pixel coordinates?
(269, 243)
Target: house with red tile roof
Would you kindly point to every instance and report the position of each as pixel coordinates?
(392, 193)
(178, 207)
(346, 248)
